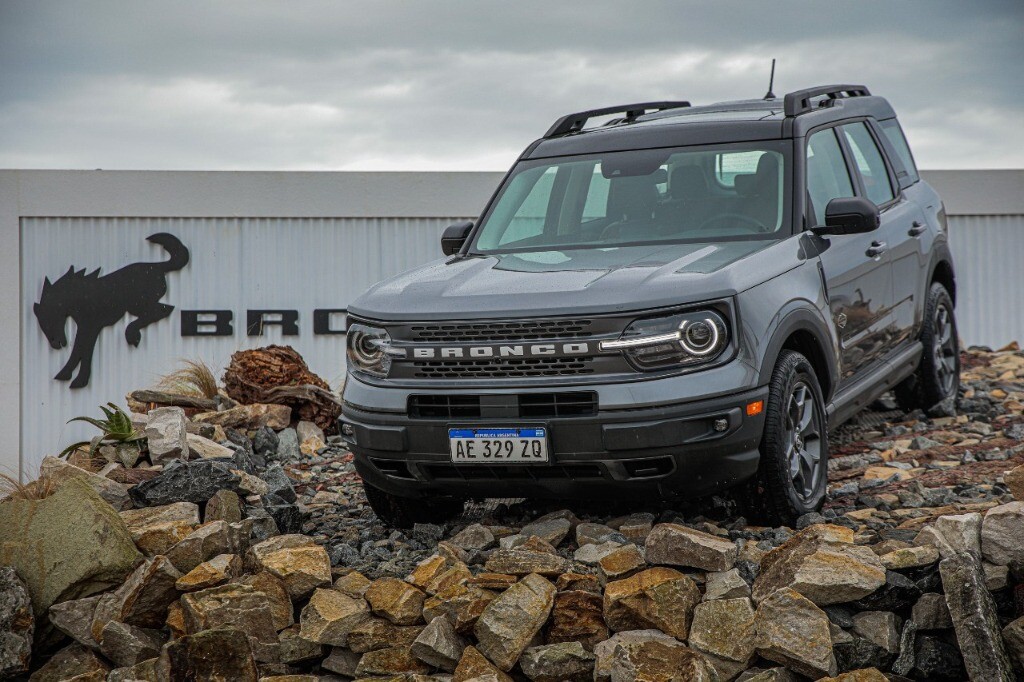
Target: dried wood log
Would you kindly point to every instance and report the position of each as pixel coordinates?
(279, 375)
(176, 400)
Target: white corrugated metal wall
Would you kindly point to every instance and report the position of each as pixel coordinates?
(236, 264)
(988, 251)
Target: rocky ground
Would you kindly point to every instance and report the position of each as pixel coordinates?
(234, 546)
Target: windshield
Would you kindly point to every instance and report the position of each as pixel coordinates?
(714, 193)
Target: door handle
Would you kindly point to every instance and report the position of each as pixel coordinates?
(876, 249)
(917, 229)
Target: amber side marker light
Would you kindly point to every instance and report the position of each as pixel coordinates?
(755, 408)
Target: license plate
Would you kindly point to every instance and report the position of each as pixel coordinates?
(472, 446)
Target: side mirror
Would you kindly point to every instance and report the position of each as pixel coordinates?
(849, 215)
(454, 236)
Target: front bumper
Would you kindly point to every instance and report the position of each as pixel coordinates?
(669, 450)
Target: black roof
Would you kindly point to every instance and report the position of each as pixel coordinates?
(667, 124)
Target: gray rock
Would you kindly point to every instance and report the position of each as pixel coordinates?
(439, 644)
(550, 530)
(185, 482)
(217, 654)
(279, 484)
(974, 618)
(288, 445)
(675, 545)
(74, 619)
(58, 471)
(725, 585)
(880, 628)
(922, 443)
(1002, 535)
(1013, 637)
(265, 443)
(590, 554)
(792, 631)
(166, 434)
(604, 651)
(17, 624)
(142, 672)
(953, 534)
(931, 612)
(935, 659)
(509, 623)
(597, 534)
(904, 662)
(567, 661)
(128, 645)
(474, 537)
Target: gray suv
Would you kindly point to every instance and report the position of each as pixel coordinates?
(673, 302)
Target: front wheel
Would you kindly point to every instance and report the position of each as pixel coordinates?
(938, 375)
(793, 471)
(405, 512)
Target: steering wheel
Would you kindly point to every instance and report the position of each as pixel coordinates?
(721, 217)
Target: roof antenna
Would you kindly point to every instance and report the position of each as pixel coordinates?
(771, 82)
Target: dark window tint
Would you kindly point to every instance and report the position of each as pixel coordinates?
(827, 177)
(869, 162)
(894, 133)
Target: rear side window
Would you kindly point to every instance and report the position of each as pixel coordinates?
(894, 134)
(827, 177)
(870, 163)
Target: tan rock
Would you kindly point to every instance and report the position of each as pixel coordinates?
(248, 417)
(204, 448)
(175, 622)
(462, 604)
(396, 660)
(818, 563)
(661, 598)
(910, 557)
(216, 571)
(562, 662)
(281, 610)
(507, 625)
(296, 650)
(236, 606)
(725, 585)
(524, 560)
(474, 666)
(219, 654)
(1014, 480)
(1002, 535)
(657, 660)
(75, 663)
(621, 563)
(493, 581)
(578, 616)
(159, 538)
(58, 472)
(74, 618)
(439, 645)
(578, 581)
(438, 573)
(330, 616)
(141, 600)
(791, 630)
(379, 633)
(953, 533)
(396, 600)
(863, 675)
(353, 584)
(724, 628)
(202, 544)
(605, 651)
(676, 545)
(301, 564)
(225, 505)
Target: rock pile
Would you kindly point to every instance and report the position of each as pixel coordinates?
(251, 554)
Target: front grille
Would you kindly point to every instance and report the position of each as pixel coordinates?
(540, 405)
(503, 367)
(502, 472)
(525, 330)
(527, 405)
(444, 406)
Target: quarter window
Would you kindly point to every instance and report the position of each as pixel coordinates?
(827, 176)
(894, 134)
(870, 163)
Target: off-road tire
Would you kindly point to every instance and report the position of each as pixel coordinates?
(405, 512)
(773, 498)
(924, 388)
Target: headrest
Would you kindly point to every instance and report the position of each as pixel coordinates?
(688, 182)
(632, 197)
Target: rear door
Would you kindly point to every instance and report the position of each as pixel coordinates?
(902, 223)
(857, 271)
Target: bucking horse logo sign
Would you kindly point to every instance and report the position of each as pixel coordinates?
(96, 301)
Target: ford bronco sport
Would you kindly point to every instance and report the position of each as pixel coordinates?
(679, 301)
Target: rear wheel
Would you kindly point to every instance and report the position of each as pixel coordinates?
(793, 471)
(405, 512)
(938, 375)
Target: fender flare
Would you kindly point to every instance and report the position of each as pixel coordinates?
(801, 319)
(941, 254)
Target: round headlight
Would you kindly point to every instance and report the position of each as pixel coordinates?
(367, 349)
(699, 337)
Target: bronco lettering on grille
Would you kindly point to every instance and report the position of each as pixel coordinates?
(501, 351)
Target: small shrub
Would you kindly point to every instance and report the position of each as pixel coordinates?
(195, 378)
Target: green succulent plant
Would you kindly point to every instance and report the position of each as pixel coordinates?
(117, 429)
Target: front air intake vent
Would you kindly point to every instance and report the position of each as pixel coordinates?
(517, 330)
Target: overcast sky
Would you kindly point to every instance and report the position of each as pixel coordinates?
(465, 85)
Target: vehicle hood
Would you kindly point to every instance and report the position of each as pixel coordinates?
(576, 281)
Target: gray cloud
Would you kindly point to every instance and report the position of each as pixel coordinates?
(466, 85)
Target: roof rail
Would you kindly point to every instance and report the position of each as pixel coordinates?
(572, 123)
(799, 102)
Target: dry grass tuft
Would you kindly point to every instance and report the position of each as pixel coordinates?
(13, 489)
(194, 378)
